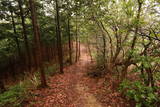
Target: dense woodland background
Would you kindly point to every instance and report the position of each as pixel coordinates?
(122, 38)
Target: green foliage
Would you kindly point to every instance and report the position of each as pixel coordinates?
(51, 70)
(35, 80)
(157, 76)
(141, 94)
(14, 97)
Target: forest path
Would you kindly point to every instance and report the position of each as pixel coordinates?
(68, 89)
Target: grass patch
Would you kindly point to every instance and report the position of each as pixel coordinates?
(51, 70)
(14, 97)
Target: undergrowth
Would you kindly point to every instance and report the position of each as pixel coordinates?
(14, 97)
(18, 95)
(144, 96)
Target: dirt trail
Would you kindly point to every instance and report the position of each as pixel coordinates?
(89, 98)
(81, 88)
(68, 89)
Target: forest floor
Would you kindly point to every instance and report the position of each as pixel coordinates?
(75, 88)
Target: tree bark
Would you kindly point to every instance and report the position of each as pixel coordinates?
(137, 25)
(89, 49)
(128, 60)
(76, 39)
(69, 40)
(104, 49)
(79, 47)
(28, 56)
(59, 42)
(37, 43)
(15, 32)
(101, 26)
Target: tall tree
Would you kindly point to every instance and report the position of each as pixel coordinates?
(69, 30)
(76, 33)
(58, 34)
(128, 61)
(24, 32)
(37, 43)
(69, 40)
(14, 29)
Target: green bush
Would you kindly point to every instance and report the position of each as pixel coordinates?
(14, 97)
(51, 70)
(143, 95)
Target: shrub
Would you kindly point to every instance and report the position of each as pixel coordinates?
(17, 95)
(141, 94)
(51, 70)
(14, 97)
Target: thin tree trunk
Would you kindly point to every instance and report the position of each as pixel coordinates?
(118, 46)
(59, 42)
(79, 54)
(101, 26)
(28, 58)
(137, 25)
(76, 39)
(104, 49)
(37, 43)
(97, 49)
(127, 62)
(48, 54)
(69, 40)
(89, 49)
(150, 81)
(15, 32)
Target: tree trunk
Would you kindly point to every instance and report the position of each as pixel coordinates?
(118, 46)
(37, 43)
(28, 56)
(79, 53)
(69, 40)
(134, 39)
(150, 81)
(15, 32)
(104, 49)
(76, 39)
(89, 49)
(59, 42)
(101, 26)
